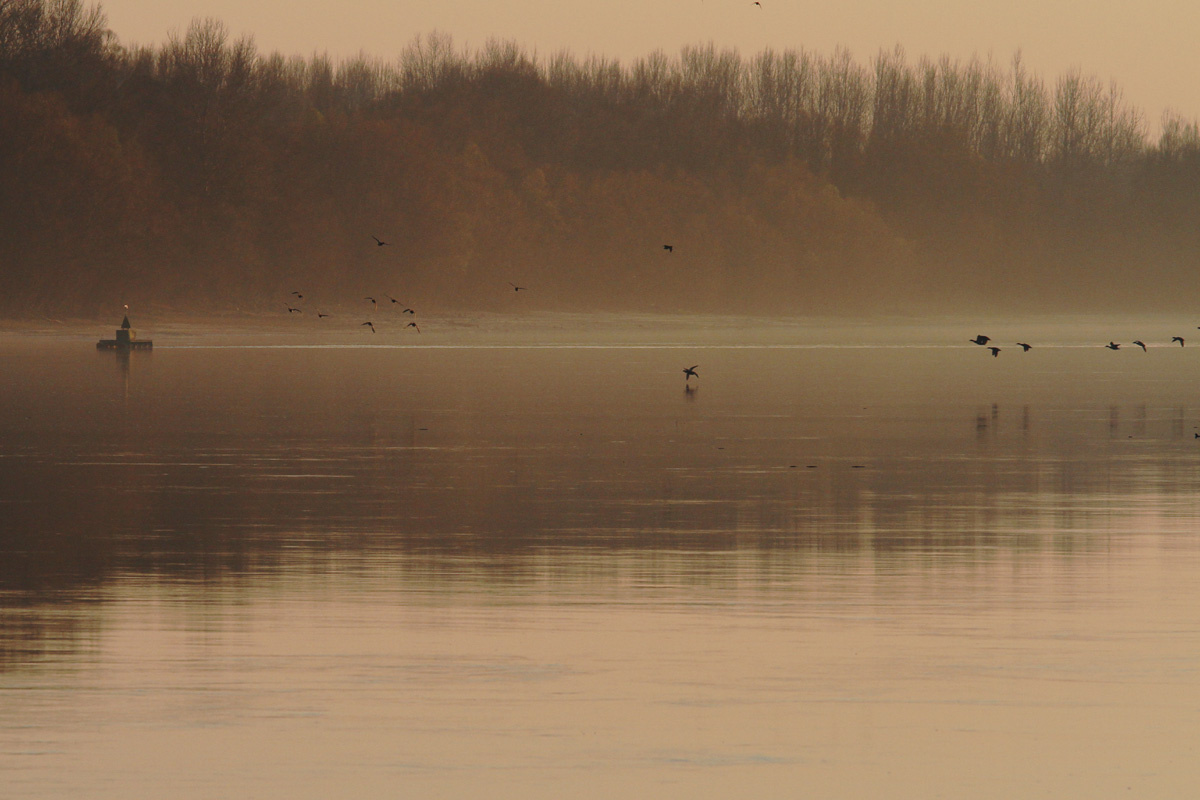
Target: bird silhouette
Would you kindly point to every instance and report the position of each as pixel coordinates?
(369, 325)
(1024, 347)
(980, 339)
(294, 310)
(1140, 344)
(518, 288)
(1113, 346)
(413, 325)
(373, 303)
(378, 242)
(995, 351)
(690, 372)
(670, 248)
(1177, 339)
(298, 295)
(408, 311)
(394, 300)
(322, 316)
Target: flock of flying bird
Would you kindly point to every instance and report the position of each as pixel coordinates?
(689, 372)
(405, 309)
(374, 305)
(1025, 347)
(981, 340)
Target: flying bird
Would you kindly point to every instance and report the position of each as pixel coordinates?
(298, 295)
(378, 242)
(1113, 346)
(518, 288)
(372, 299)
(1024, 347)
(980, 339)
(321, 316)
(1140, 344)
(995, 351)
(369, 325)
(394, 300)
(408, 311)
(690, 372)
(670, 248)
(294, 310)
(413, 325)
(1177, 339)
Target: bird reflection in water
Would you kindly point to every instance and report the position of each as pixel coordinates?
(982, 425)
(986, 422)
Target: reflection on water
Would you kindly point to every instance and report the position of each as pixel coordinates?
(889, 571)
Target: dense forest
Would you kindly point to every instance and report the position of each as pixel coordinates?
(201, 174)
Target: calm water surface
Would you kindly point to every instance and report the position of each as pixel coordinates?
(528, 563)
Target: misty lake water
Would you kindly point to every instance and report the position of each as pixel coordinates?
(527, 562)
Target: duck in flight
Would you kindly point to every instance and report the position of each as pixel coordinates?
(1140, 344)
(378, 242)
(413, 325)
(518, 288)
(670, 248)
(369, 325)
(980, 339)
(1113, 346)
(298, 295)
(1024, 347)
(373, 303)
(321, 316)
(294, 310)
(1177, 339)
(690, 372)
(995, 351)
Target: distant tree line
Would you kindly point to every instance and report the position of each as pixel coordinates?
(203, 174)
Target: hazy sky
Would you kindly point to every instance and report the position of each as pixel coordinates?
(1150, 51)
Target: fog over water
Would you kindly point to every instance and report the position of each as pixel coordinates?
(544, 426)
(527, 554)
